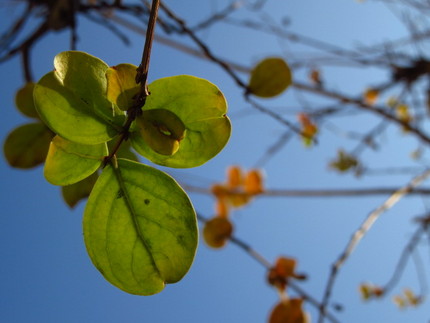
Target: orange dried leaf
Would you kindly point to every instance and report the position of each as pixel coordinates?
(309, 129)
(238, 199)
(315, 77)
(371, 96)
(234, 177)
(276, 280)
(285, 266)
(217, 231)
(289, 311)
(411, 298)
(303, 118)
(399, 301)
(254, 182)
(220, 191)
(368, 291)
(221, 208)
(279, 274)
(402, 112)
(365, 292)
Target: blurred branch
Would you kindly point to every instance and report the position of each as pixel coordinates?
(362, 230)
(267, 265)
(203, 47)
(406, 253)
(322, 192)
(218, 16)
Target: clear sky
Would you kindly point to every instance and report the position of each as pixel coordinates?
(45, 273)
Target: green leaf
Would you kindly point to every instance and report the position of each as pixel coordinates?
(201, 108)
(121, 85)
(140, 228)
(68, 162)
(270, 77)
(124, 150)
(344, 162)
(24, 101)
(74, 193)
(27, 145)
(162, 130)
(72, 101)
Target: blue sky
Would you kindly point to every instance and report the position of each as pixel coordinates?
(46, 275)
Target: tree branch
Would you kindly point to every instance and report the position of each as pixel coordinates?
(361, 231)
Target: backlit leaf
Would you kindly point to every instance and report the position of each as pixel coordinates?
(72, 101)
(24, 100)
(124, 150)
(201, 107)
(74, 193)
(270, 77)
(234, 177)
(68, 162)
(27, 145)
(371, 96)
(253, 183)
(121, 85)
(344, 162)
(140, 228)
(217, 231)
(288, 311)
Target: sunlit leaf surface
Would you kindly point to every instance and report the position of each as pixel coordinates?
(140, 228)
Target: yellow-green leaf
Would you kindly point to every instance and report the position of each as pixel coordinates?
(24, 100)
(68, 162)
(140, 228)
(74, 193)
(71, 100)
(121, 85)
(27, 145)
(199, 106)
(270, 77)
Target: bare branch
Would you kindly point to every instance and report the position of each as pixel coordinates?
(361, 231)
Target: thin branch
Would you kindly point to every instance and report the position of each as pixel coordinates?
(35, 36)
(225, 66)
(275, 116)
(406, 253)
(319, 193)
(141, 77)
(108, 25)
(361, 104)
(142, 70)
(267, 265)
(361, 231)
(221, 15)
(274, 148)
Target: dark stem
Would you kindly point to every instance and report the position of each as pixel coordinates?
(141, 78)
(26, 63)
(142, 70)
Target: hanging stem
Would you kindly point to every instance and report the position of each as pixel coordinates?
(142, 70)
(141, 78)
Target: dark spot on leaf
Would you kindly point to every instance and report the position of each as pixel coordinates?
(147, 201)
(114, 67)
(84, 100)
(119, 194)
(181, 240)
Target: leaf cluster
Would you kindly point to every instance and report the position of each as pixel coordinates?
(139, 225)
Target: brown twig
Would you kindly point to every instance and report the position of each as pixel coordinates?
(205, 49)
(267, 265)
(141, 78)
